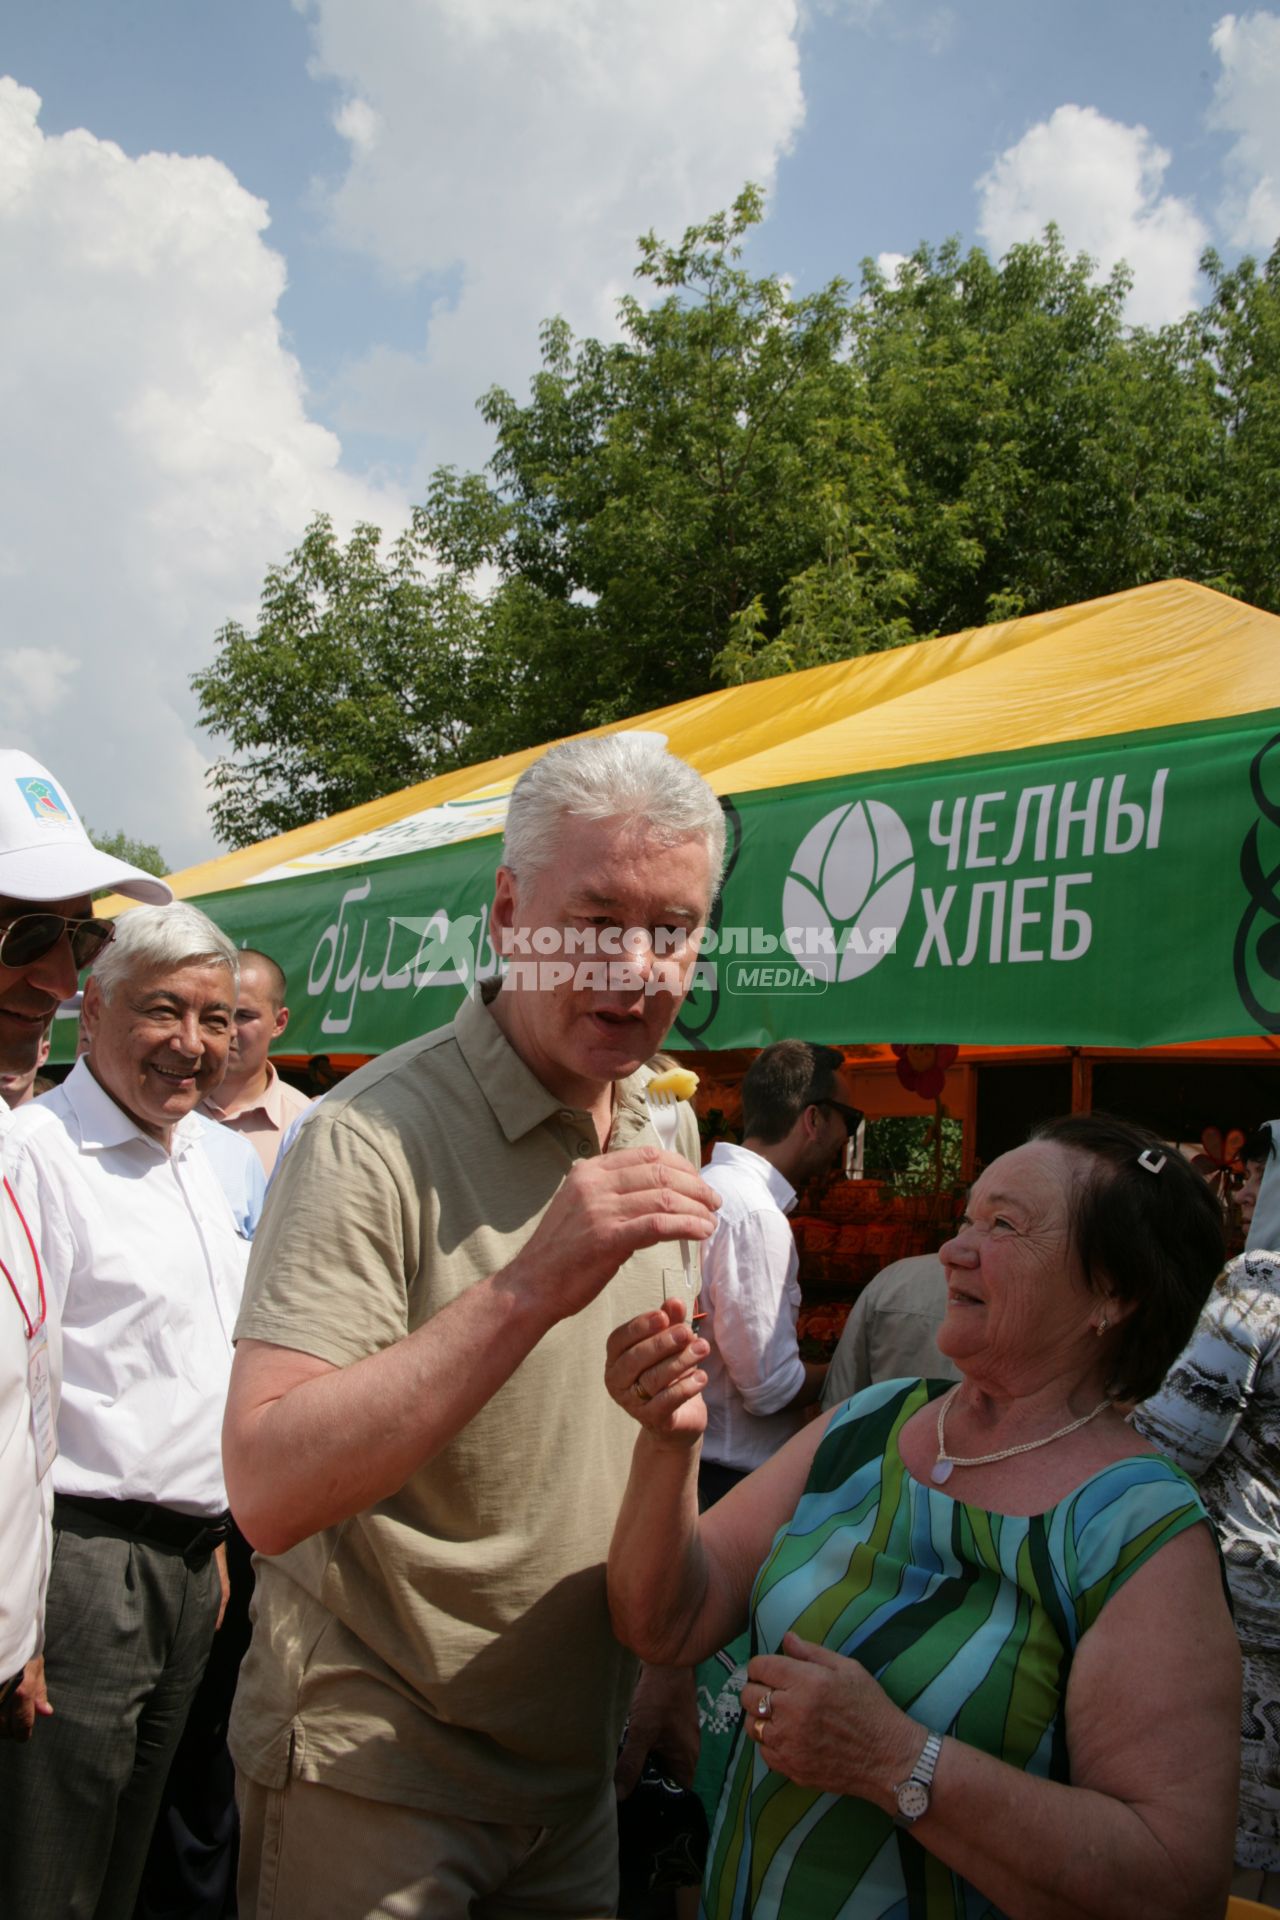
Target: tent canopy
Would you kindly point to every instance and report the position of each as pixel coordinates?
(1056, 829)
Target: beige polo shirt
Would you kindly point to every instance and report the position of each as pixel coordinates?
(449, 1648)
(263, 1121)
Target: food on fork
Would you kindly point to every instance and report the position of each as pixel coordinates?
(677, 1083)
(662, 1095)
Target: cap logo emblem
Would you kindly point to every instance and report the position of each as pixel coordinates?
(46, 803)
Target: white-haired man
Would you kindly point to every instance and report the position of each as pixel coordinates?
(48, 869)
(418, 1439)
(142, 1257)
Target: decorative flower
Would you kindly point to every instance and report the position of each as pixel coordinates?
(1219, 1160)
(923, 1070)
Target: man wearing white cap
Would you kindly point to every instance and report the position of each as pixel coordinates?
(48, 869)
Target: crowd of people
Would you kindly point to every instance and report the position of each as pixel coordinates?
(415, 1346)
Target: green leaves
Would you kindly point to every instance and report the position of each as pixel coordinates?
(751, 481)
(355, 682)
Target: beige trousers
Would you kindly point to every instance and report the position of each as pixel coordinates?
(309, 1852)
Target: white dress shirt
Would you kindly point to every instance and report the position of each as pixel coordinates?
(143, 1261)
(751, 1297)
(25, 1502)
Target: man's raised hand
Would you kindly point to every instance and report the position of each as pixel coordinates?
(608, 1209)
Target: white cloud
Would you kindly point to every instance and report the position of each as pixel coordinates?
(932, 27)
(1246, 102)
(1101, 182)
(359, 125)
(858, 13)
(35, 679)
(518, 147)
(158, 456)
(889, 263)
(938, 29)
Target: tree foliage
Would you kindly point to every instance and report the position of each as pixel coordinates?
(356, 681)
(1236, 341)
(717, 472)
(747, 482)
(122, 846)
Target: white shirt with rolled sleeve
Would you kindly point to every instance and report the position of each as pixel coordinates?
(751, 1298)
(25, 1500)
(144, 1264)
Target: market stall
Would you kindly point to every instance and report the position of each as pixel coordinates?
(1052, 843)
(1058, 830)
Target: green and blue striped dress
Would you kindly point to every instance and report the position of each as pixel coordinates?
(968, 1619)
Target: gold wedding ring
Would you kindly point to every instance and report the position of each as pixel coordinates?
(640, 1392)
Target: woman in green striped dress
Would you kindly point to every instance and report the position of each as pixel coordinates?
(992, 1668)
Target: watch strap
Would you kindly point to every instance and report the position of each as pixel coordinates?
(912, 1805)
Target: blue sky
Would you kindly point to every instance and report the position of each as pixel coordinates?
(262, 257)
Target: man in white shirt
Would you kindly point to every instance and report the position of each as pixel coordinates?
(253, 1100)
(143, 1261)
(797, 1115)
(48, 867)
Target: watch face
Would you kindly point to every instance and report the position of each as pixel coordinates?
(913, 1799)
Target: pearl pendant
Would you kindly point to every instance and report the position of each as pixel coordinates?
(941, 1471)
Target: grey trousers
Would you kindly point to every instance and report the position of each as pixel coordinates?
(127, 1635)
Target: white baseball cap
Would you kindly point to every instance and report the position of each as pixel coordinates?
(45, 853)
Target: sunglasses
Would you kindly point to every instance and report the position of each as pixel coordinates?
(30, 937)
(850, 1115)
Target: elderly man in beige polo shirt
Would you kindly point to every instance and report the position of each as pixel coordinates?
(418, 1439)
(253, 1099)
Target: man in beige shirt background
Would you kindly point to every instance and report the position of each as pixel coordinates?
(891, 1334)
(418, 1438)
(253, 1100)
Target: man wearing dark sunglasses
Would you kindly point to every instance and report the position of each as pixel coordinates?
(48, 870)
(49, 867)
(797, 1117)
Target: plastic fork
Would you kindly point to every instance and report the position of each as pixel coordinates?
(664, 1116)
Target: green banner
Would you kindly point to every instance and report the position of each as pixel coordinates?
(1116, 893)
(1120, 892)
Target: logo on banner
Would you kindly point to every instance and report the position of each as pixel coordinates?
(45, 802)
(849, 890)
(1257, 943)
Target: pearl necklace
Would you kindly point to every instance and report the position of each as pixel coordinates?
(945, 1462)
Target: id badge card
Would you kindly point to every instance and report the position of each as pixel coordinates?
(44, 1432)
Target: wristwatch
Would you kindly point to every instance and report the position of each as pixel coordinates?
(913, 1794)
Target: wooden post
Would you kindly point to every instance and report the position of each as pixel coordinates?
(1081, 1083)
(969, 1119)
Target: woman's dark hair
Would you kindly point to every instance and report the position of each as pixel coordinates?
(1146, 1228)
(1259, 1146)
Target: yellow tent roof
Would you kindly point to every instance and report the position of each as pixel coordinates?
(1157, 656)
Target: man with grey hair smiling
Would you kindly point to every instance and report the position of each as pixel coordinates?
(418, 1439)
(142, 1257)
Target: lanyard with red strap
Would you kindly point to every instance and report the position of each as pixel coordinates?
(33, 1327)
